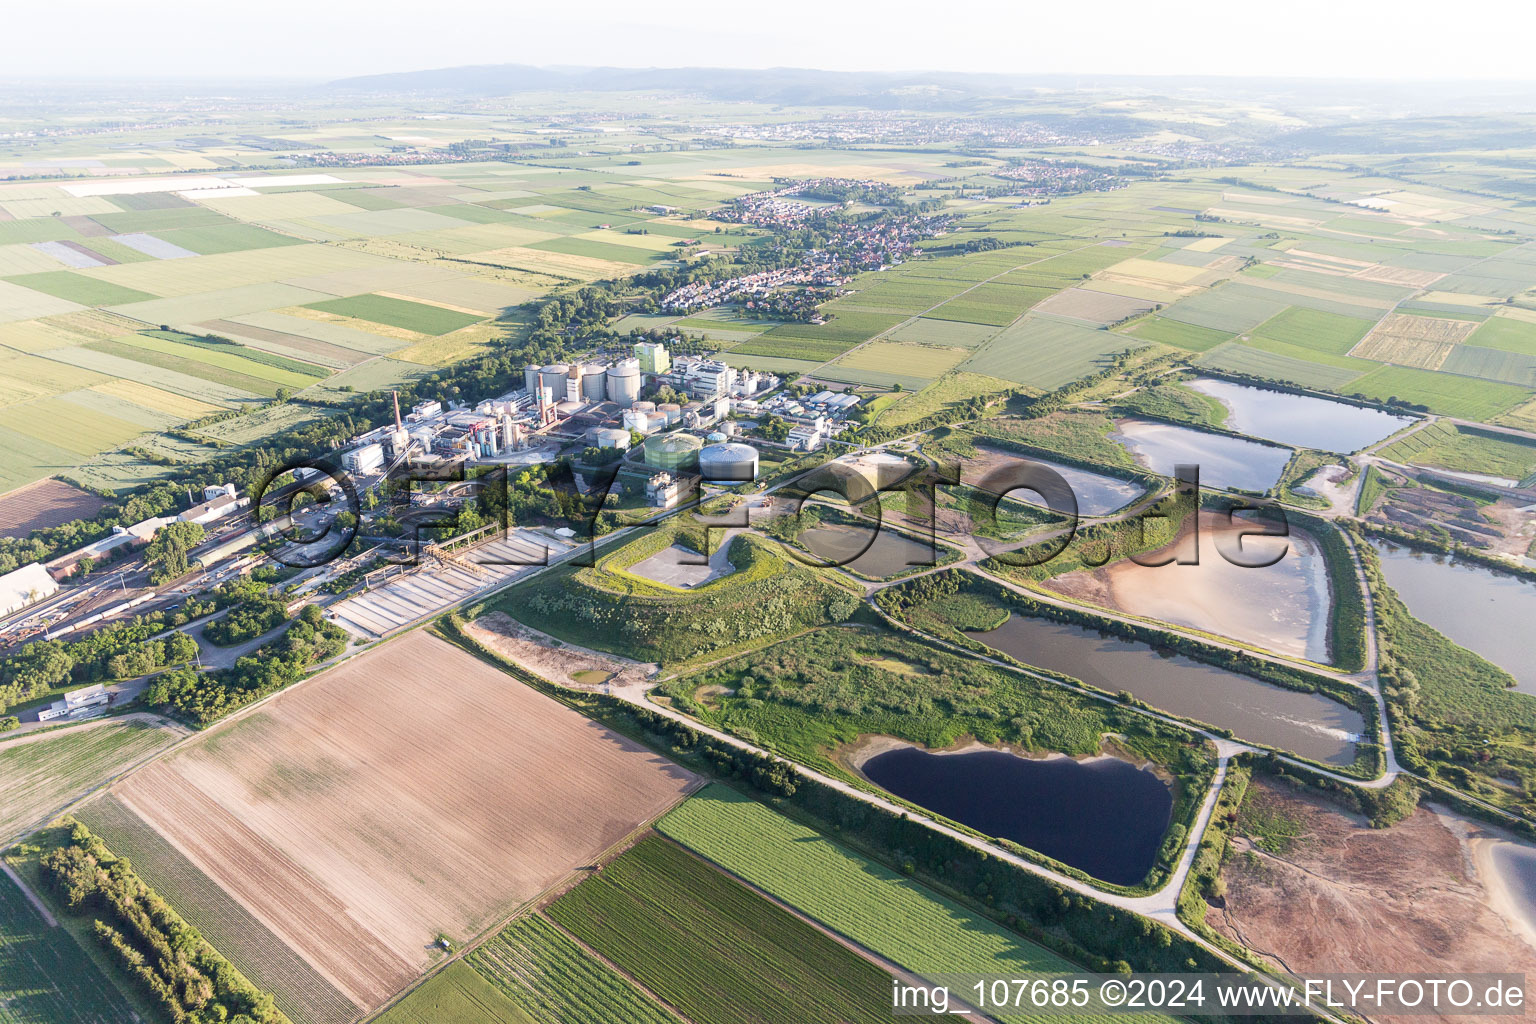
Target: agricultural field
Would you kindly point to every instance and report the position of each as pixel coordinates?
(879, 909)
(714, 949)
(41, 773)
(329, 815)
(392, 312)
(299, 990)
(45, 503)
(552, 978)
(1044, 353)
(1315, 330)
(1463, 397)
(456, 995)
(914, 360)
(45, 976)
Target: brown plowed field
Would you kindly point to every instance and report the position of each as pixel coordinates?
(412, 791)
(45, 503)
(1346, 898)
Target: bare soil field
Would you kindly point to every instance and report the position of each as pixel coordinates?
(1408, 340)
(1344, 897)
(44, 503)
(411, 792)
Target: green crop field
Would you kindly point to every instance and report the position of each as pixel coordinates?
(717, 951)
(412, 316)
(139, 349)
(820, 341)
(1492, 364)
(944, 333)
(78, 288)
(1463, 397)
(1181, 335)
(885, 912)
(922, 361)
(1239, 358)
(1046, 353)
(456, 995)
(212, 239)
(1501, 332)
(543, 971)
(1314, 330)
(45, 977)
(40, 776)
(299, 990)
(997, 303)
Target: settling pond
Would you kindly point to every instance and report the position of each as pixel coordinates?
(1282, 607)
(1300, 420)
(1103, 816)
(1308, 724)
(1225, 462)
(889, 554)
(1484, 611)
(1098, 494)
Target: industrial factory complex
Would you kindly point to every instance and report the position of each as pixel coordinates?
(599, 405)
(708, 434)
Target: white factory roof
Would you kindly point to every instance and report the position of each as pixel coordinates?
(23, 586)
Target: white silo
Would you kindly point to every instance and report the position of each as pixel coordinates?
(672, 411)
(553, 377)
(624, 382)
(593, 382)
(729, 463)
(531, 379)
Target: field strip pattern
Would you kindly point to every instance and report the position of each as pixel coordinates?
(411, 792)
(298, 989)
(309, 918)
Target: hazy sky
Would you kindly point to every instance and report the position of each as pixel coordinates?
(323, 39)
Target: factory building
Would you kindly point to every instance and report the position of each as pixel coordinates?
(663, 490)
(209, 511)
(672, 451)
(77, 704)
(653, 357)
(25, 586)
(728, 463)
(367, 459)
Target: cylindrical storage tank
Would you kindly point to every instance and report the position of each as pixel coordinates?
(730, 463)
(592, 382)
(714, 437)
(624, 382)
(643, 406)
(531, 379)
(672, 411)
(672, 451)
(612, 437)
(553, 377)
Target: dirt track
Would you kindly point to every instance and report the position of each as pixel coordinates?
(1348, 898)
